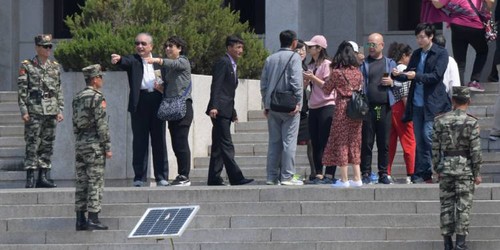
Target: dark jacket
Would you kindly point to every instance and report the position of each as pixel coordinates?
(365, 69)
(223, 89)
(436, 99)
(133, 65)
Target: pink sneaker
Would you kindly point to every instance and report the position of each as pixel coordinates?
(475, 86)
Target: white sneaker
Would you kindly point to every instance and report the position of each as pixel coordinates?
(408, 179)
(355, 183)
(292, 182)
(341, 184)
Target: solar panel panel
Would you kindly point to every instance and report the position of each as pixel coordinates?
(164, 222)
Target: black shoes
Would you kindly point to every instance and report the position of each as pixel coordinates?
(448, 243)
(242, 182)
(94, 224)
(42, 181)
(30, 178)
(384, 179)
(81, 221)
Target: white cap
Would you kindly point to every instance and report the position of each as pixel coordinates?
(354, 46)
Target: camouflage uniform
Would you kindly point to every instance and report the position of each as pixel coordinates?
(40, 96)
(90, 126)
(456, 156)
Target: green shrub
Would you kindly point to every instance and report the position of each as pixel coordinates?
(106, 27)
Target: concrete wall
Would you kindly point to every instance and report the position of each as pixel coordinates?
(116, 92)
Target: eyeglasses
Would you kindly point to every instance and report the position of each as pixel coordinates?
(371, 45)
(46, 46)
(168, 45)
(140, 43)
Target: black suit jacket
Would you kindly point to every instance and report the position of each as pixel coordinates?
(133, 65)
(222, 91)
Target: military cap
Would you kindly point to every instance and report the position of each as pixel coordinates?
(92, 71)
(43, 39)
(460, 91)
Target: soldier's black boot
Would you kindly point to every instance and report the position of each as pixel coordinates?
(448, 243)
(47, 175)
(94, 223)
(42, 181)
(81, 221)
(461, 243)
(30, 178)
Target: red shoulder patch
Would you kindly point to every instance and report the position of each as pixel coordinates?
(22, 72)
(103, 104)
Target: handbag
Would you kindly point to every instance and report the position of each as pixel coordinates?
(357, 107)
(490, 26)
(173, 108)
(283, 101)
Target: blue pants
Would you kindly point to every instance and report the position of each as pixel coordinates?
(423, 138)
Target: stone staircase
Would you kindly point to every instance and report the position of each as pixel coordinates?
(11, 133)
(251, 217)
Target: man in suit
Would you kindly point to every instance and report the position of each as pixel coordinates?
(144, 99)
(221, 111)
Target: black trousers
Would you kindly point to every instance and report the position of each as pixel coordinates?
(146, 124)
(320, 122)
(377, 124)
(222, 153)
(461, 37)
(179, 131)
(496, 61)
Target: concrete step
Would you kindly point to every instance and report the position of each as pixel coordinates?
(486, 98)
(319, 245)
(11, 164)
(8, 96)
(251, 235)
(9, 107)
(12, 141)
(11, 130)
(12, 152)
(11, 119)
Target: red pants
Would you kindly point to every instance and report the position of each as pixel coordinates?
(405, 133)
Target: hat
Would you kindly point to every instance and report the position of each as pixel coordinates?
(92, 71)
(461, 91)
(354, 46)
(43, 39)
(318, 40)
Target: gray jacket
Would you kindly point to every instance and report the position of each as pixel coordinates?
(176, 74)
(291, 79)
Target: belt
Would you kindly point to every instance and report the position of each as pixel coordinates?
(87, 130)
(40, 94)
(464, 153)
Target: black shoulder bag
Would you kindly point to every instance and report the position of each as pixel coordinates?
(490, 27)
(357, 107)
(283, 101)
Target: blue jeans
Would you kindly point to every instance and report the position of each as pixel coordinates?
(423, 138)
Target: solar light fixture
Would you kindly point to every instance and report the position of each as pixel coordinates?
(164, 222)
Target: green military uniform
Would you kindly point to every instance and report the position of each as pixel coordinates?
(40, 96)
(90, 126)
(456, 156)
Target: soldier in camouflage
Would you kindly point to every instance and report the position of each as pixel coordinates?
(456, 157)
(41, 103)
(92, 147)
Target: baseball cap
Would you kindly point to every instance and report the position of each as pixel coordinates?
(318, 40)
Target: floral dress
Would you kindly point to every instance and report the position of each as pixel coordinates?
(344, 142)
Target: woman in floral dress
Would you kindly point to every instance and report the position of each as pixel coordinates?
(344, 142)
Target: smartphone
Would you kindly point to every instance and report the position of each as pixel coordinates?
(386, 74)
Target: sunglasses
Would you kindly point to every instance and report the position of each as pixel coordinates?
(141, 43)
(46, 46)
(371, 45)
(168, 45)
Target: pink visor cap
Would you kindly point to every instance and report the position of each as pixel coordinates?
(318, 40)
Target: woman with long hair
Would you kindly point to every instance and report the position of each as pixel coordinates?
(344, 142)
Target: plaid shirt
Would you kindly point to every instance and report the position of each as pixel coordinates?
(400, 89)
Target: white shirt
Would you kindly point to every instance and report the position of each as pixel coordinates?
(148, 77)
(451, 77)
